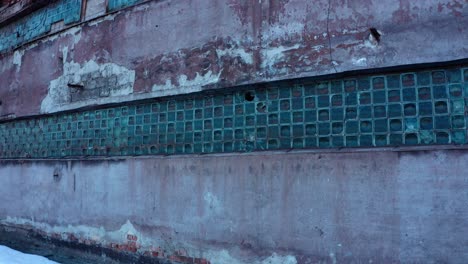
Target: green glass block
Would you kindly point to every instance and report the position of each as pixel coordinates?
(324, 142)
(228, 147)
(459, 136)
(310, 116)
(439, 92)
(350, 85)
(261, 120)
(363, 84)
(423, 78)
(351, 113)
(393, 81)
(381, 140)
(364, 98)
(352, 127)
(297, 104)
(337, 128)
(425, 108)
(426, 123)
(410, 109)
(380, 111)
(366, 141)
(411, 139)
(323, 115)
(438, 77)
(337, 114)
(393, 96)
(352, 141)
(408, 80)
(366, 126)
(455, 91)
(310, 130)
(426, 137)
(324, 128)
(381, 125)
(297, 131)
(351, 99)
(441, 107)
(394, 110)
(458, 106)
(458, 121)
(365, 111)
(273, 144)
(298, 117)
(442, 122)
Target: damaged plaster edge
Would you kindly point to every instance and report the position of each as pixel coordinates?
(121, 99)
(120, 83)
(126, 231)
(185, 87)
(80, 231)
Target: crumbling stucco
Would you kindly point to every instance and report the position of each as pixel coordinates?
(184, 84)
(86, 82)
(143, 244)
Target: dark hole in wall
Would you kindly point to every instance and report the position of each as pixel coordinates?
(375, 33)
(249, 96)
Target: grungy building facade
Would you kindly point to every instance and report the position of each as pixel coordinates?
(237, 131)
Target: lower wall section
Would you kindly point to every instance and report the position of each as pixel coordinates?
(379, 207)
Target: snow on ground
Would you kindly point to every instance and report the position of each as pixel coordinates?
(11, 256)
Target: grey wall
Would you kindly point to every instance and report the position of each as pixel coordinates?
(382, 207)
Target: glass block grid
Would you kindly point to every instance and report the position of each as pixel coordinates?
(411, 108)
(39, 23)
(117, 4)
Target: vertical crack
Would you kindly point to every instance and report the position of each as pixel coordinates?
(329, 37)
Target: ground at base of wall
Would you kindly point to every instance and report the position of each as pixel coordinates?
(66, 253)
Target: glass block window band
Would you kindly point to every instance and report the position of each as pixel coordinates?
(406, 109)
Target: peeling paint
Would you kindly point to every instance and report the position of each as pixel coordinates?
(271, 56)
(213, 203)
(359, 61)
(17, 58)
(232, 52)
(79, 231)
(223, 257)
(183, 82)
(137, 242)
(106, 80)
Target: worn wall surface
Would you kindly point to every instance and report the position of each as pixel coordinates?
(309, 206)
(373, 207)
(184, 46)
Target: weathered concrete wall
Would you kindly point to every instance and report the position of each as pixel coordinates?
(391, 207)
(184, 46)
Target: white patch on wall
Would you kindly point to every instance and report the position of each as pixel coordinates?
(87, 82)
(232, 52)
(271, 56)
(281, 31)
(106, 237)
(223, 257)
(11, 256)
(17, 58)
(184, 83)
(212, 203)
(359, 61)
(81, 231)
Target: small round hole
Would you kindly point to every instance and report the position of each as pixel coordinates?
(249, 96)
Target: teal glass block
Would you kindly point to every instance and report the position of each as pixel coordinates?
(363, 84)
(423, 78)
(442, 138)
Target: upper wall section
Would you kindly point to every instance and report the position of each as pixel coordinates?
(158, 48)
(37, 23)
(116, 4)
